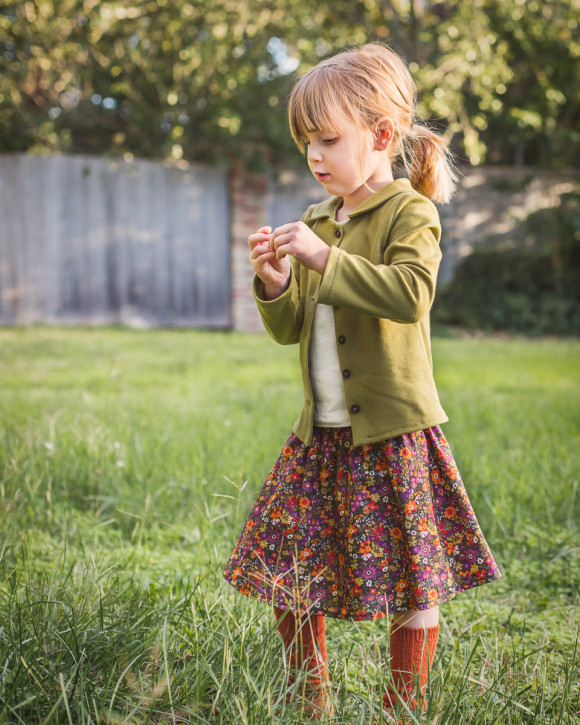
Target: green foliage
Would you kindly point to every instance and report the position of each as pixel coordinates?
(538, 120)
(158, 79)
(209, 80)
(128, 461)
(534, 289)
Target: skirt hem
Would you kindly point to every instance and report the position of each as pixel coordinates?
(377, 614)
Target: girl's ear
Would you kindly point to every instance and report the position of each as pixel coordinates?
(383, 134)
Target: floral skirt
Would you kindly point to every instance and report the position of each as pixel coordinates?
(358, 532)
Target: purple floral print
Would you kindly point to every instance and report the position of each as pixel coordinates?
(358, 532)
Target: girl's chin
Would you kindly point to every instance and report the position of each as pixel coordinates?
(332, 187)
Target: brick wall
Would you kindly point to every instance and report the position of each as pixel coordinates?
(248, 205)
(257, 199)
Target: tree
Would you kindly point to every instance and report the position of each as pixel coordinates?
(209, 79)
(150, 78)
(538, 121)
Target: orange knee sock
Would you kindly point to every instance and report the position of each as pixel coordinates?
(305, 643)
(412, 654)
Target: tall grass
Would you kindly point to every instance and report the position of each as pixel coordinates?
(128, 461)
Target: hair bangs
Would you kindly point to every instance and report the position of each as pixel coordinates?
(314, 104)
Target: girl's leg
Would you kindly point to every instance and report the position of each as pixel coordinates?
(305, 643)
(414, 636)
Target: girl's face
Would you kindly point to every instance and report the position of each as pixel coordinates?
(349, 161)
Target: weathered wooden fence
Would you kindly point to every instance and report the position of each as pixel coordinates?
(88, 240)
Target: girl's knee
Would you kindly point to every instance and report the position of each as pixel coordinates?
(417, 618)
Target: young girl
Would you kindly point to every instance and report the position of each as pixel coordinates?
(364, 513)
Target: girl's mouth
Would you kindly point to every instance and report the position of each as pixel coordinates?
(322, 177)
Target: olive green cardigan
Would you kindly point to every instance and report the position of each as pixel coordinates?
(380, 279)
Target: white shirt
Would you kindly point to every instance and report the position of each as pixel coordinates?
(330, 408)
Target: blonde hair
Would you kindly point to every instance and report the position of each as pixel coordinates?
(371, 85)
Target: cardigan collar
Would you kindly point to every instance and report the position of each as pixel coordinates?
(329, 207)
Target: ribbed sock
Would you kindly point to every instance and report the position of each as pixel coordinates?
(305, 643)
(412, 654)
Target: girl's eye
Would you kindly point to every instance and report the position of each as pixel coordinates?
(332, 140)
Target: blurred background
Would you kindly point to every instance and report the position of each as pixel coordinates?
(141, 142)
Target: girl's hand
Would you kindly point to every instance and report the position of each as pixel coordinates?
(273, 271)
(302, 243)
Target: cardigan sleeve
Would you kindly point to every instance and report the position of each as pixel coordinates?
(282, 317)
(402, 288)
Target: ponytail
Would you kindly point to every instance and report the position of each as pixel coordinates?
(431, 171)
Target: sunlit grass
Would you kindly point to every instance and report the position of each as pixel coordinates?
(128, 461)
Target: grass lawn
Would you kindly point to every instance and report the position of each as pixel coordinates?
(128, 461)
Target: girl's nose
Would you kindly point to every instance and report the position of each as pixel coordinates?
(313, 153)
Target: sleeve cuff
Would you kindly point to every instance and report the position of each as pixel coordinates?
(325, 289)
(281, 317)
(258, 288)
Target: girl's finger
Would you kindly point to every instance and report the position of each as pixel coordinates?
(262, 254)
(285, 228)
(276, 234)
(282, 251)
(278, 240)
(259, 235)
(255, 239)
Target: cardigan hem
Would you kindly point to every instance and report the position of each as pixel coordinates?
(376, 438)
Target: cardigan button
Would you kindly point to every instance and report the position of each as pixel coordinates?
(341, 339)
(346, 374)
(337, 233)
(355, 408)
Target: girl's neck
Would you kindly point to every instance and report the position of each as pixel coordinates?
(363, 193)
